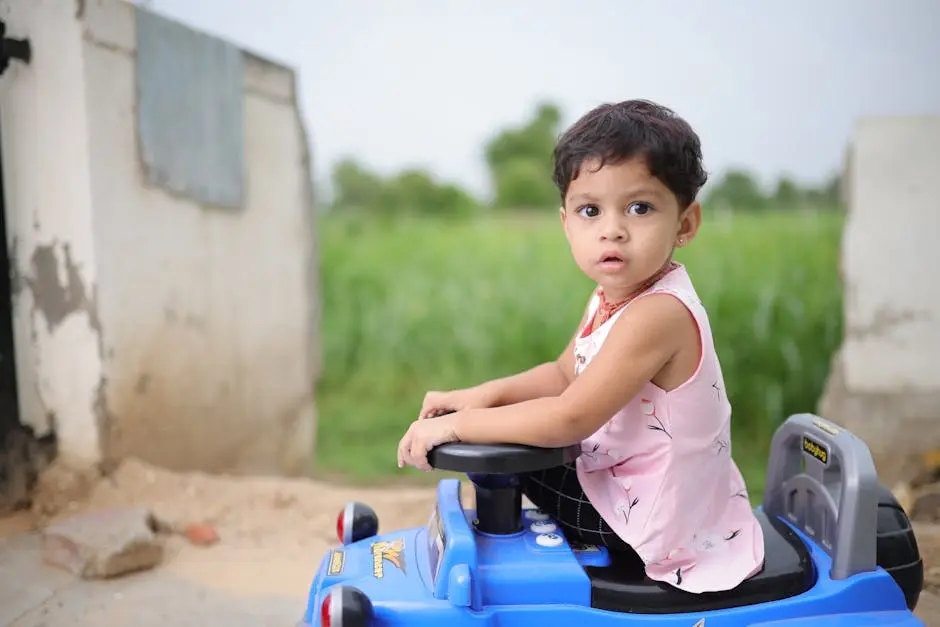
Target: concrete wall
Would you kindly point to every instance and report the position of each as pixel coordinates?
(149, 322)
(49, 227)
(885, 383)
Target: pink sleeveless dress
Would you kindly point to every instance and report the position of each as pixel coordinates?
(660, 471)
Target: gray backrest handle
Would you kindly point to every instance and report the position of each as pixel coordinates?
(822, 479)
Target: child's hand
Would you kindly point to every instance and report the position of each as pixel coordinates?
(422, 436)
(439, 403)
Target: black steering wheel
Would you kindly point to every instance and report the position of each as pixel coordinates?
(492, 469)
(499, 459)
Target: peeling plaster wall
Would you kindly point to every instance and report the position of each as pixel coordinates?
(145, 323)
(57, 331)
(884, 384)
(208, 343)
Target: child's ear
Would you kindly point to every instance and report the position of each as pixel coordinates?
(689, 221)
(563, 216)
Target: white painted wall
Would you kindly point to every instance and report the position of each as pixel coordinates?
(885, 384)
(49, 205)
(891, 254)
(207, 351)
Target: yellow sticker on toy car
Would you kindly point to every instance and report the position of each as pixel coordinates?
(337, 562)
(815, 449)
(384, 551)
(825, 426)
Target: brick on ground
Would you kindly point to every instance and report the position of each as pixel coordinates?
(104, 544)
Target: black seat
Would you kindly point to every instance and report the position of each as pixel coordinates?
(624, 587)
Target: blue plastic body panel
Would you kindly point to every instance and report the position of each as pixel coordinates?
(872, 619)
(517, 581)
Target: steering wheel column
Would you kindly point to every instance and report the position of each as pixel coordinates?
(493, 469)
(498, 503)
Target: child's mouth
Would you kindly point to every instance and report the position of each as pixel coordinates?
(611, 261)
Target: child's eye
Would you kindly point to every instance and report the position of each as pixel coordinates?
(589, 211)
(639, 208)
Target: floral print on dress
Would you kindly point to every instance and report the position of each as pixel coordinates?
(591, 451)
(717, 389)
(655, 424)
(580, 361)
(625, 507)
(721, 445)
(708, 542)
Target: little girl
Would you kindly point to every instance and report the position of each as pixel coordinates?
(639, 385)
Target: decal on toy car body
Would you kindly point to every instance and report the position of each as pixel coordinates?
(385, 551)
(337, 562)
(437, 539)
(828, 428)
(815, 449)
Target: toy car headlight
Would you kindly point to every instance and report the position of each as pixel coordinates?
(345, 606)
(356, 522)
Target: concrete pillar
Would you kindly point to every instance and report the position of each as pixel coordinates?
(885, 380)
(47, 186)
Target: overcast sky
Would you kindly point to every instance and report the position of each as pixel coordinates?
(773, 85)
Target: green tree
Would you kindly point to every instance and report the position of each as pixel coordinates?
(737, 189)
(519, 161)
(412, 191)
(355, 188)
(788, 194)
(415, 191)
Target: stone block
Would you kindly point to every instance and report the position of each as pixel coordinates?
(104, 544)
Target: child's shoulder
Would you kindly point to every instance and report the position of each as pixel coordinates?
(677, 282)
(677, 298)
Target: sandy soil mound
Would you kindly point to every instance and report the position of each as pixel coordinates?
(282, 525)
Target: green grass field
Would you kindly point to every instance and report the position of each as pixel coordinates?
(420, 304)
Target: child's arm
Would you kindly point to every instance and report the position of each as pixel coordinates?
(643, 341)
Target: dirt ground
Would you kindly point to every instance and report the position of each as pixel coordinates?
(273, 533)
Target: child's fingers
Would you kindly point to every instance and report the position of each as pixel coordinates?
(430, 402)
(434, 412)
(418, 453)
(426, 412)
(404, 446)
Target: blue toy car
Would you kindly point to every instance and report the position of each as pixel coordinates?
(840, 552)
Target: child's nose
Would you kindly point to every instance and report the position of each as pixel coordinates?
(613, 230)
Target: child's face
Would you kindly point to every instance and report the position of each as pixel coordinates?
(623, 224)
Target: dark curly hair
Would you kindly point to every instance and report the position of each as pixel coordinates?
(614, 133)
